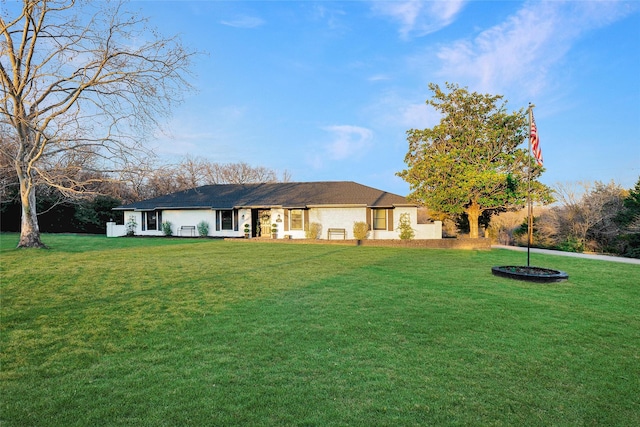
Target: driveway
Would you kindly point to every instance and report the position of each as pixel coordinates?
(571, 254)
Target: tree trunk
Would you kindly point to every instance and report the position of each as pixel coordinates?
(29, 230)
(473, 214)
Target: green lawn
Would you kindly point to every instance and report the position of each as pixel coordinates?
(170, 332)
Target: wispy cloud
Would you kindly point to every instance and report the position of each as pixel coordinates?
(348, 141)
(332, 15)
(378, 78)
(244, 21)
(203, 131)
(417, 17)
(522, 50)
(391, 109)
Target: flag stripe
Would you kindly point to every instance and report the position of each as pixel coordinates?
(535, 142)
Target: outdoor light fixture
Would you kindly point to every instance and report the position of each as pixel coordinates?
(278, 220)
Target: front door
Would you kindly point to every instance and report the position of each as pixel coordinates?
(263, 228)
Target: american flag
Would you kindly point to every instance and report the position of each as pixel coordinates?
(535, 142)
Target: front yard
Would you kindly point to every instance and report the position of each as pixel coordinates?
(156, 332)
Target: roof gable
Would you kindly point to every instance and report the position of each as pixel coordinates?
(287, 194)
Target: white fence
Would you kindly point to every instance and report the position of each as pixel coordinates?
(115, 230)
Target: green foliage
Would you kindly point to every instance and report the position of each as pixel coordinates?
(462, 221)
(131, 226)
(166, 228)
(470, 162)
(404, 227)
(93, 215)
(571, 244)
(631, 207)
(360, 230)
(58, 214)
(313, 231)
(369, 335)
(629, 221)
(203, 229)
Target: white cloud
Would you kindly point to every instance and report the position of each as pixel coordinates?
(418, 17)
(378, 78)
(244, 21)
(202, 131)
(332, 16)
(348, 141)
(418, 116)
(522, 50)
(393, 110)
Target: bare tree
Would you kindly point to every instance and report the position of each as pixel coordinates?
(503, 225)
(238, 173)
(82, 84)
(585, 216)
(8, 178)
(152, 179)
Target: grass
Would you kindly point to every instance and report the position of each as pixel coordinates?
(167, 332)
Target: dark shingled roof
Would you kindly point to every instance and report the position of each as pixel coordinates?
(287, 195)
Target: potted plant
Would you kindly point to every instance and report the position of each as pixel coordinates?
(274, 231)
(247, 231)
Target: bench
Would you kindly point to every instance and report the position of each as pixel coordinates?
(190, 228)
(337, 232)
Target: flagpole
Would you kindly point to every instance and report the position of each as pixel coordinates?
(529, 203)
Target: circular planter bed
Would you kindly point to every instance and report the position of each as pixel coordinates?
(530, 274)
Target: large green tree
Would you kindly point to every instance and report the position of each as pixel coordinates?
(470, 161)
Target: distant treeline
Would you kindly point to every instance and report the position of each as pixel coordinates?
(89, 210)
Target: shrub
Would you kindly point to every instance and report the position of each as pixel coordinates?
(313, 231)
(360, 230)
(203, 229)
(166, 228)
(404, 227)
(571, 244)
(131, 226)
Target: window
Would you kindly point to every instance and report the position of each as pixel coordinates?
(379, 219)
(295, 217)
(224, 220)
(151, 220)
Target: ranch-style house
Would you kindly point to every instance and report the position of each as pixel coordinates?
(277, 210)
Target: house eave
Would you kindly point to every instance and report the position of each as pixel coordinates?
(340, 205)
(258, 207)
(164, 208)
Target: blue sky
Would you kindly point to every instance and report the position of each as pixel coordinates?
(327, 89)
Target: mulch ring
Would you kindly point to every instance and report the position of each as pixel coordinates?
(530, 274)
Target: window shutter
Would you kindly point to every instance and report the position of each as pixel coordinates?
(218, 220)
(306, 219)
(389, 219)
(235, 220)
(369, 218)
(286, 219)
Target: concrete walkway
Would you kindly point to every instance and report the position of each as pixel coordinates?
(571, 254)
